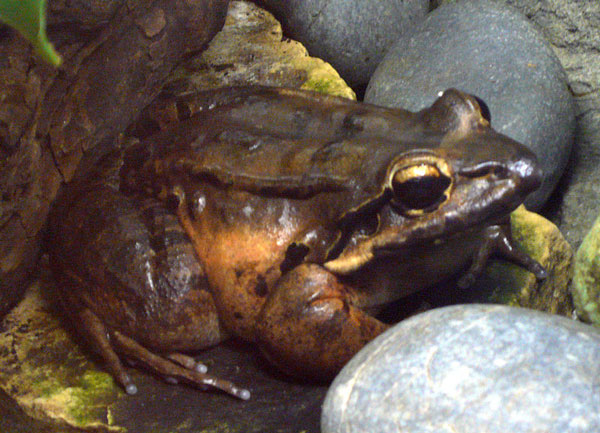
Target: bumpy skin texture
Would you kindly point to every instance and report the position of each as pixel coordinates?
(303, 211)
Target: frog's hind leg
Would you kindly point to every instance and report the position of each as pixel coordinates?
(175, 367)
(95, 330)
(122, 264)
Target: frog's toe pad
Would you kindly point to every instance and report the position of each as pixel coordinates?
(170, 367)
(131, 389)
(187, 362)
(539, 271)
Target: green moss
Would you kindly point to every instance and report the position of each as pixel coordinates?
(97, 381)
(82, 405)
(69, 391)
(510, 284)
(525, 233)
(318, 85)
(330, 85)
(508, 280)
(110, 418)
(46, 389)
(586, 278)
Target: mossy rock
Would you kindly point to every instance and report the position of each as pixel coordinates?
(586, 278)
(47, 373)
(251, 49)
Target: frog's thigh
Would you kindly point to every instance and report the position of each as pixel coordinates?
(308, 326)
(144, 280)
(166, 308)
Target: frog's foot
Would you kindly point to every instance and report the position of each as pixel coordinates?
(308, 326)
(176, 367)
(498, 240)
(169, 369)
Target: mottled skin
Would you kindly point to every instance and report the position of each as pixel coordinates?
(285, 218)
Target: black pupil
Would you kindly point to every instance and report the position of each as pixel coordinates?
(421, 192)
(485, 110)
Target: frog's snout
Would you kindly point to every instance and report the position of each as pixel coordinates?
(528, 173)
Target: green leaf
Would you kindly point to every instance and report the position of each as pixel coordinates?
(29, 18)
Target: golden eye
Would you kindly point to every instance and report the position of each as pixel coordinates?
(419, 187)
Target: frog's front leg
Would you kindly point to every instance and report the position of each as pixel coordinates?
(308, 326)
(497, 240)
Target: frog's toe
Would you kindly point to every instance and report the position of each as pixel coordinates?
(187, 362)
(174, 368)
(539, 271)
(498, 241)
(170, 367)
(466, 280)
(98, 334)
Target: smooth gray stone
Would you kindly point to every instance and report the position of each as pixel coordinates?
(472, 369)
(352, 35)
(492, 51)
(572, 29)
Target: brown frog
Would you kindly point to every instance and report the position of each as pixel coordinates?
(285, 218)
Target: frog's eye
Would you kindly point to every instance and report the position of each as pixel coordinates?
(484, 109)
(419, 187)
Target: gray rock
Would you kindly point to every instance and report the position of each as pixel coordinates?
(472, 369)
(490, 50)
(572, 29)
(352, 35)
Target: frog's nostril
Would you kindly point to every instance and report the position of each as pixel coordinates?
(529, 172)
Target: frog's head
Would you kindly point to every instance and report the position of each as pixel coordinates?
(463, 175)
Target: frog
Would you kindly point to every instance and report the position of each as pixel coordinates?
(284, 218)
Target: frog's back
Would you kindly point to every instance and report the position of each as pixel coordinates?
(288, 142)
